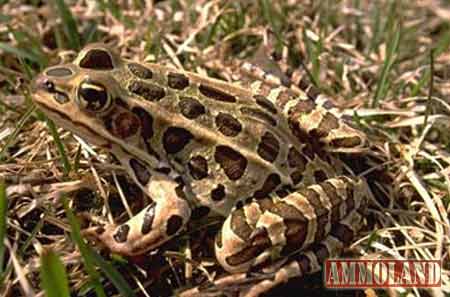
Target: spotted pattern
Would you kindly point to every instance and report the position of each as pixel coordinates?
(198, 167)
(200, 212)
(141, 171)
(320, 211)
(270, 184)
(122, 124)
(228, 125)
(346, 142)
(216, 94)
(175, 139)
(191, 108)
(231, 161)
(146, 124)
(268, 147)
(140, 71)
(320, 175)
(97, 59)
(265, 103)
(121, 234)
(177, 81)
(218, 193)
(295, 159)
(174, 224)
(327, 124)
(211, 103)
(259, 243)
(148, 91)
(302, 107)
(146, 121)
(149, 216)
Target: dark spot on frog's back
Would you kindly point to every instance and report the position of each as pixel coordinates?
(269, 147)
(228, 125)
(270, 184)
(296, 159)
(198, 167)
(177, 81)
(200, 212)
(231, 161)
(218, 193)
(146, 122)
(174, 224)
(140, 71)
(175, 139)
(122, 124)
(265, 103)
(329, 122)
(150, 92)
(141, 171)
(216, 94)
(97, 59)
(191, 108)
(320, 175)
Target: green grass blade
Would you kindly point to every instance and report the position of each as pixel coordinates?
(60, 146)
(53, 275)
(3, 217)
(20, 53)
(91, 258)
(86, 254)
(113, 275)
(442, 45)
(383, 83)
(13, 136)
(69, 24)
(430, 89)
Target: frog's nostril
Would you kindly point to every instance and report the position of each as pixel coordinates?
(43, 83)
(49, 85)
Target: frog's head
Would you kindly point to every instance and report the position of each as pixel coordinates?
(84, 97)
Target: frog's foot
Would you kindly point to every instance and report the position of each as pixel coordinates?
(253, 284)
(155, 224)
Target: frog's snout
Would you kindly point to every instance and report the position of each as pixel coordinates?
(42, 83)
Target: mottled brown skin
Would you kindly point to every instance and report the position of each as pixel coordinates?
(260, 158)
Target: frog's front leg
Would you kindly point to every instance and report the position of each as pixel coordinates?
(162, 219)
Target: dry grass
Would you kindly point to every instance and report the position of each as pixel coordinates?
(388, 59)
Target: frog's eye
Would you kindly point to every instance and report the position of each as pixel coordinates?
(93, 97)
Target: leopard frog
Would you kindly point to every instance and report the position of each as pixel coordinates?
(262, 159)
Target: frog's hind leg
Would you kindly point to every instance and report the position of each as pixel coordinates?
(275, 227)
(311, 115)
(310, 261)
(255, 282)
(285, 237)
